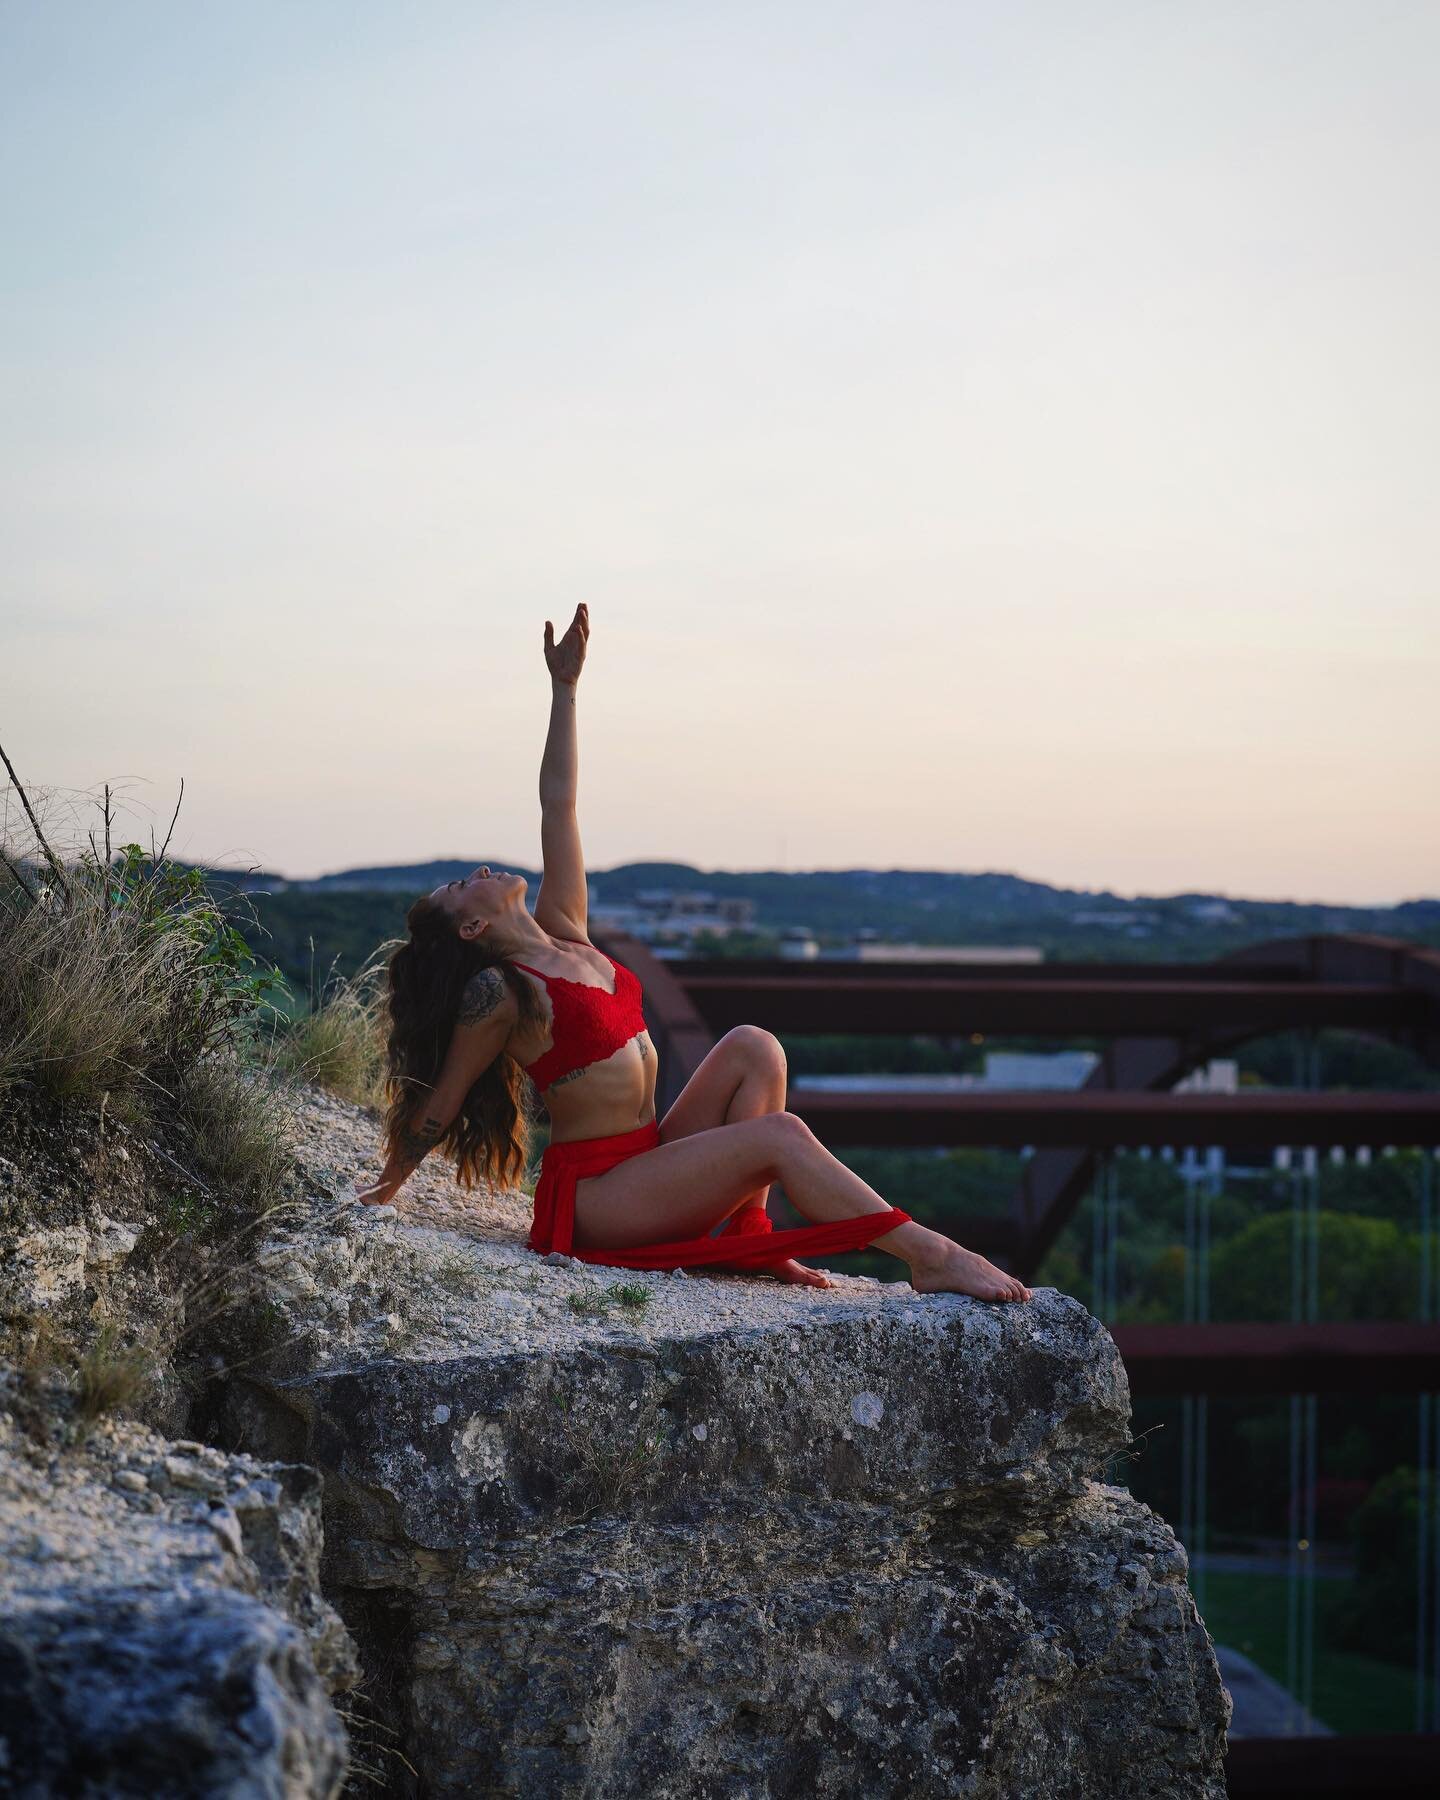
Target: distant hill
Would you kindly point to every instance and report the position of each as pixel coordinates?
(990, 895)
(336, 921)
(409, 878)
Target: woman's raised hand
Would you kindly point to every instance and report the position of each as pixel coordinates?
(567, 658)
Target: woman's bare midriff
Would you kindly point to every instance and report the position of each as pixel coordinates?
(606, 1097)
(602, 1099)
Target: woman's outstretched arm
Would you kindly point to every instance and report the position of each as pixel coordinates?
(561, 906)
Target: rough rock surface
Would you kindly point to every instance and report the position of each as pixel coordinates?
(604, 1532)
(590, 1531)
(161, 1626)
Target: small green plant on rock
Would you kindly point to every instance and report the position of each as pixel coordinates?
(268, 1323)
(596, 1469)
(629, 1296)
(456, 1273)
(183, 1211)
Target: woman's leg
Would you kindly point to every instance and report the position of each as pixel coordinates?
(682, 1189)
(742, 1077)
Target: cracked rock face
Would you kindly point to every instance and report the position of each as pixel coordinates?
(734, 1537)
(161, 1626)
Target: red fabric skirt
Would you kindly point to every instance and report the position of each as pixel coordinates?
(749, 1239)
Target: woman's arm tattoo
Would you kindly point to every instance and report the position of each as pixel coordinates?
(415, 1142)
(484, 991)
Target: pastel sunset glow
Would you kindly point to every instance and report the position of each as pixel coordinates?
(985, 437)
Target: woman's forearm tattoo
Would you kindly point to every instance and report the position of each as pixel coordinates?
(415, 1142)
(483, 993)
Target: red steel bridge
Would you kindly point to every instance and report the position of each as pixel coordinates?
(1157, 1022)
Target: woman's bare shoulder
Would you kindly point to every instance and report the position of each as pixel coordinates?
(486, 995)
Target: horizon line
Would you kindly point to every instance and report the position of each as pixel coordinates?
(870, 869)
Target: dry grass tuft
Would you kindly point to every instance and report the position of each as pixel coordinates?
(233, 1128)
(110, 1376)
(44, 1351)
(597, 1471)
(86, 999)
(124, 984)
(367, 1731)
(340, 1043)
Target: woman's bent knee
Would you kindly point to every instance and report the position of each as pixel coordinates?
(757, 1045)
(772, 1141)
(784, 1134)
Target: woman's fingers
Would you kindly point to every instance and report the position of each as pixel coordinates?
(577, 635)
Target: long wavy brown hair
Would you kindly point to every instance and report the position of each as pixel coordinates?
(489, 1137)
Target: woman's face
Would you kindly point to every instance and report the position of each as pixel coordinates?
(475, 901)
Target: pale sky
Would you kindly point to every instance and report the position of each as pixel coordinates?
(987, 436)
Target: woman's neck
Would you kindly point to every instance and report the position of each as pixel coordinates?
(516, 938)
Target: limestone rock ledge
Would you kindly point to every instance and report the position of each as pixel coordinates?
(747, 1539)
(162, 1631)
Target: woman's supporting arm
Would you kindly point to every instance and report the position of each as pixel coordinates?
(487, 1015)
(418, 1137)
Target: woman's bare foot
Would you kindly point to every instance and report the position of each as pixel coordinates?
(789, 1271)
(955, 1270)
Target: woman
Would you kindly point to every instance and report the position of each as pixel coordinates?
(468, 1015)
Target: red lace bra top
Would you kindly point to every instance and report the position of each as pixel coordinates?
(589, 1023)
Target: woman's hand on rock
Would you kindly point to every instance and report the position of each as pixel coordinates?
(567, 658)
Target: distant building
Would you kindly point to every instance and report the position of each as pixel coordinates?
(1214, 912)
(1115, 918)
(1221, 1075)
(662, 916)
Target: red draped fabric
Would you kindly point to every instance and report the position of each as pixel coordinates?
(748, 1241)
